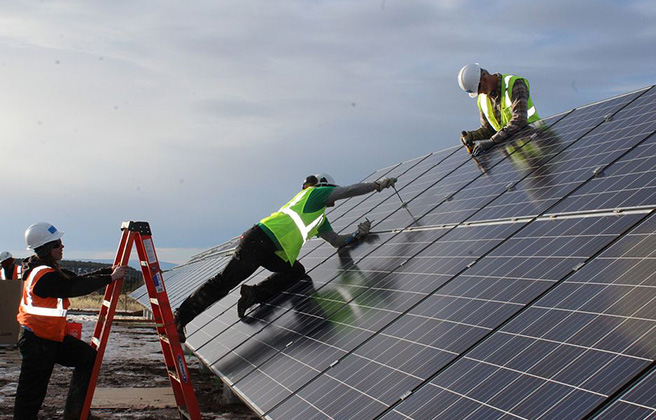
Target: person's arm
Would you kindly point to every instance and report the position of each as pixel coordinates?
(101, 271)
(519, 109)
(340, 193)
(338, 241)
(56, 286)
(485, 131)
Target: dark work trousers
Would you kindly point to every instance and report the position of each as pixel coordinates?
(255, 250)
(39, 358)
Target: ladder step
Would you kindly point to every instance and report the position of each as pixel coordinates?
(183, 412)
(173, 374)
(138, 234)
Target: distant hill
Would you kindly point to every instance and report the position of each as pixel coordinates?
(133, 279)
(163, 265)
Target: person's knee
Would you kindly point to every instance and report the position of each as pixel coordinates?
(298, 270)
(87, 358)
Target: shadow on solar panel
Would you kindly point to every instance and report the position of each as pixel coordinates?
(518, 285)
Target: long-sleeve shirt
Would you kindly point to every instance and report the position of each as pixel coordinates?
(519, 109)
(341, 193)
(54, 285)
(326, 197)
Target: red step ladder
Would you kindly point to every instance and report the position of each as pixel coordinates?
(138, 233)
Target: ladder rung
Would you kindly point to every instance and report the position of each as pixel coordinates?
(138, 234)
(173, 374)
(183, 411)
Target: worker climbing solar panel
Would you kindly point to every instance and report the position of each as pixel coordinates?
(516, 285)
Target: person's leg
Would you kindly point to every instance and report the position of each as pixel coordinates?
(284, 276)
(81, 356)
(243, 263)
(36, 368)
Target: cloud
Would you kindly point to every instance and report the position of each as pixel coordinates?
(204, 119)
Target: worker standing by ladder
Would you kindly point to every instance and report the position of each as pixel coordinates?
(43, 340)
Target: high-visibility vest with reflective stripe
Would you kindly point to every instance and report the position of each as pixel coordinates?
(45, 317)
(16, 274)
(292, 226)
(505, 105)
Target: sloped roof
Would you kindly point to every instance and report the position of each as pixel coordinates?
(521, 284)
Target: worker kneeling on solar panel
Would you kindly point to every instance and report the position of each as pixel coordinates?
(275, 243)
(504, 103)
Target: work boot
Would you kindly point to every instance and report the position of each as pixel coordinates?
(180, 327)
(246, 300)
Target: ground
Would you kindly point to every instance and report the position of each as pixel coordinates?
(133, 359)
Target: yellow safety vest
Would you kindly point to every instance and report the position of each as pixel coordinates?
(505, 105)
(292, 225)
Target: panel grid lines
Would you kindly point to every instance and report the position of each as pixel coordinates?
(519, 285)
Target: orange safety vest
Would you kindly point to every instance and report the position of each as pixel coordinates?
(45, 317)
(18, 271)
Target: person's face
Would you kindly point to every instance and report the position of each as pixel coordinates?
(58, 251)
(487, 83)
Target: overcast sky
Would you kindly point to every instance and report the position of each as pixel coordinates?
(203, 117)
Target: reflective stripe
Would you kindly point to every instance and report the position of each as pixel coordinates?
(484, 105)
(16, 272)
(305, 230)
(28, 305)
(530, 112)
(506, 80)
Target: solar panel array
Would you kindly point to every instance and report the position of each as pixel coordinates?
(518, 285)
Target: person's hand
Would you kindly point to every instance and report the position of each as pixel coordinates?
(363, 229)
(466, 140)
(118, 272)
(481, 146)
(385, 182)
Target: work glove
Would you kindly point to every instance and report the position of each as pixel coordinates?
(363, 229)
(385, 182)
(466, 140)
(481, 146)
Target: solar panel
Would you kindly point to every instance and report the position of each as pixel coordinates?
(467, 308)
(636, 404)
(566, 353)
(514, 285)
(566, 157)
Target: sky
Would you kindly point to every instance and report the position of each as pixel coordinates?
(203, 117)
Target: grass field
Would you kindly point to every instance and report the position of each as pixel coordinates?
(94, 301)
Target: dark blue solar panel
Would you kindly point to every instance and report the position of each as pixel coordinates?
(569, 151)
(499, 287)
(638, 403)
(566, 353)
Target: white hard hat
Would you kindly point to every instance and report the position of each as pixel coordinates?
(4, 256)
(469, 78)
(320, 180)
(40, 234)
